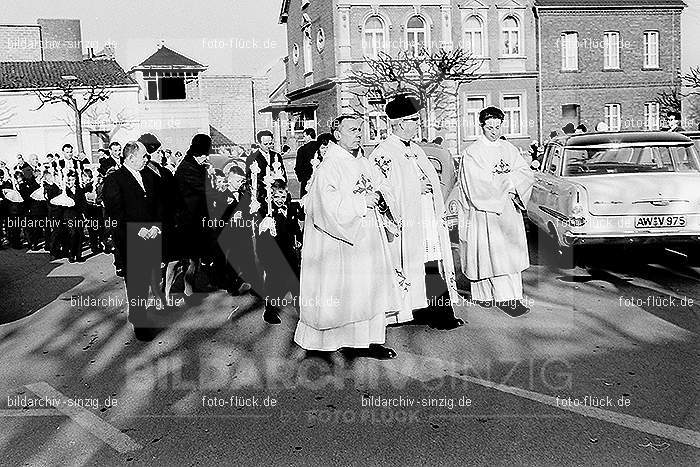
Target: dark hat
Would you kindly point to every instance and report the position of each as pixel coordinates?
(403, 105)
(150, 142)
(201, 145)
(568, 128)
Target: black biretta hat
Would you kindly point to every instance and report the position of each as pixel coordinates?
(403, 105)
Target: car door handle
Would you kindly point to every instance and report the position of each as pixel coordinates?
(552, 192)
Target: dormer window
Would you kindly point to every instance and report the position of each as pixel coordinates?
(167, 85)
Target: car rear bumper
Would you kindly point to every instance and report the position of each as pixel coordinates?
(641, 238)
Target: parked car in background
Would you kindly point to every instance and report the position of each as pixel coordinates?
(629, 188)
(695, 137)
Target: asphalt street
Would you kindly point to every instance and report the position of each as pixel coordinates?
(602, 371)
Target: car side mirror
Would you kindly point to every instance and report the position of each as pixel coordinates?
(535, 165)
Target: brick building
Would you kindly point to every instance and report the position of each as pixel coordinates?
(529, 67)
(606, 61)
(234, 103)
(48, 40)
(325, 43)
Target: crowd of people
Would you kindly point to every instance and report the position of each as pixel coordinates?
(365, 248)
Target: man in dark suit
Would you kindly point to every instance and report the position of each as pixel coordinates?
(70, 161)
(305, 155)
(278, 244)
(265, 157)
(130, 199)
(236, 237)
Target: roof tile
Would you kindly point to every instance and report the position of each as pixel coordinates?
(49, 74)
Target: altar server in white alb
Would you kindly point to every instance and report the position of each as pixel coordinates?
(347, 280)
(495, 186)
(421, 249)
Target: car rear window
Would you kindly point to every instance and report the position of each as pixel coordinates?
(596, 161)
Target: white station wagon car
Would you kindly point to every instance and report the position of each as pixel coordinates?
(626, 188)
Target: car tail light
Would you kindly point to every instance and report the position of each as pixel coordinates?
(577, 212)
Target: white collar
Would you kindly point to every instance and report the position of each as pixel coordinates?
(486, 141)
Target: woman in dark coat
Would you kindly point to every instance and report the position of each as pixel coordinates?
(193, 225)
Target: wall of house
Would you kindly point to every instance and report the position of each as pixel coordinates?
(230, 103)
(27, 131)
(591, 86)
(61, 39)
(321, 14)
(20, 43)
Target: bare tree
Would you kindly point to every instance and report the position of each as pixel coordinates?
(78, 98)
(430, 76)
(671, 99)
(691, 80)
(105, 117)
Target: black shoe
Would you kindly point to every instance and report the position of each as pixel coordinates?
(380, 352)
(272, 315)
(447, 324)
(513, 310)
(145, 334)
(72, 259)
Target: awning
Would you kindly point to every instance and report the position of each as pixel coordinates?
(289, 107)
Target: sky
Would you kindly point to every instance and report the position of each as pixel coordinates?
(230, 36)
(690, 35)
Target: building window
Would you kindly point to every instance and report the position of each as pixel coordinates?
(295, 54)
(300, 120)
(377, 126)
(612, 116)
(651, 49)
(167, 85)
(569, 51)
(376, 121)
(320, 40)
(308, 59)
(651, 116)
(473, 106)
(512, 125)
(611, 50)
(474, 36)
(511, 35)
(373, 37)
(416, 35)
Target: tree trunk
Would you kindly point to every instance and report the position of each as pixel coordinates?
(79, 131)
(424, 121)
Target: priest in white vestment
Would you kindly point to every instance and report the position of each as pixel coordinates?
(422, 248)
(347, 278)
(495, 186)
